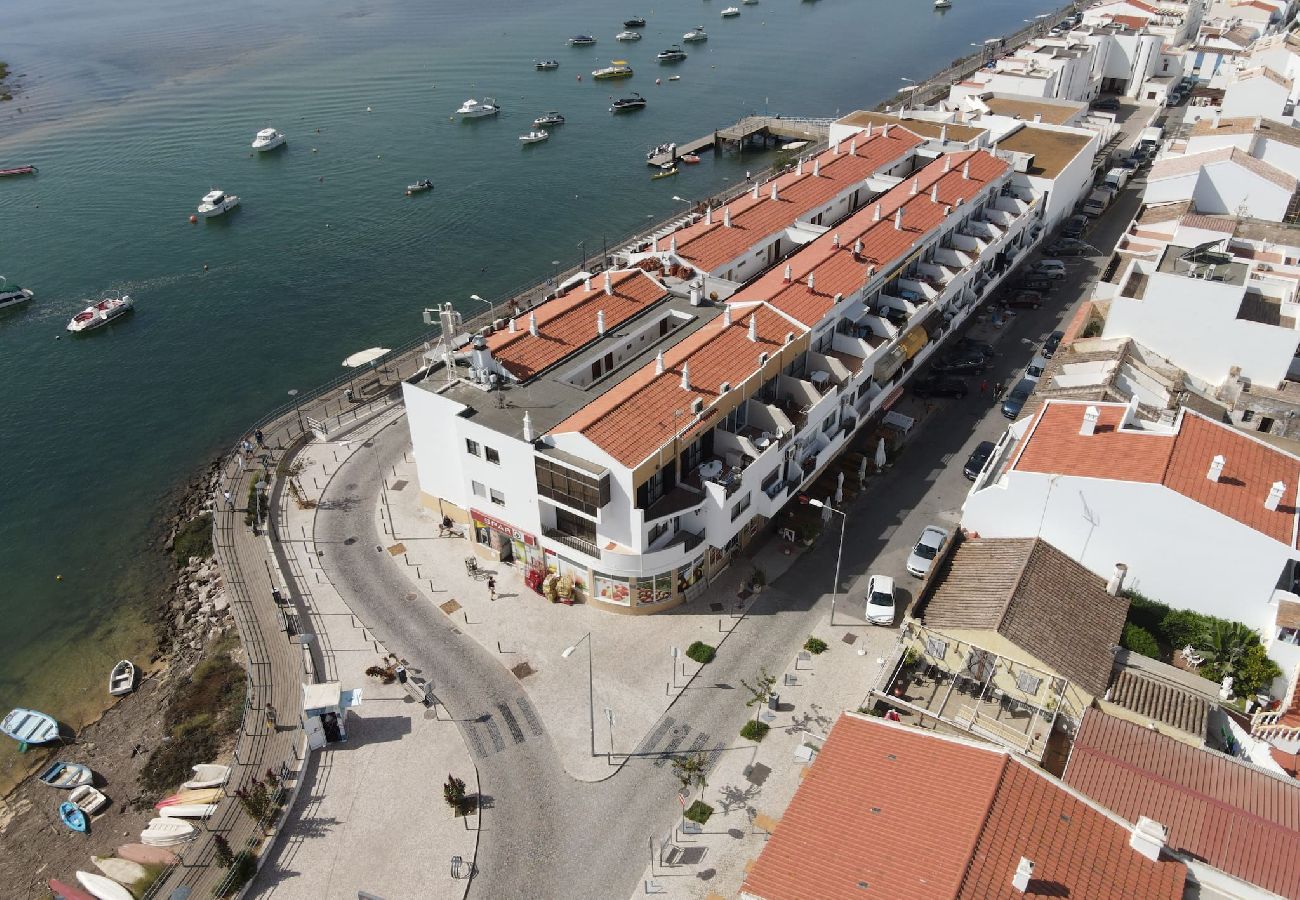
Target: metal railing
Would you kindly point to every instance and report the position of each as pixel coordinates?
(572, 542)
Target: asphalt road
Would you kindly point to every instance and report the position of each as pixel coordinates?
(548, 835)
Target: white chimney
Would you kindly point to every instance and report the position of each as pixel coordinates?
(898, 219)
(868, 129)
(1024, 872)
(696, 296)
(708, 216)
(686, 375)
(885, 130)
(659, 363)
(965, 170)
(1148, 838)
(853, 147)
(726, 217)
(947, 210)
(875, 217)
(916, 185)
(789, 273)
(1216, 467)
(1116, 583)
(609, 286)
(1275, 495)
(672, 248)
(528, 427)
(943, 135)
(835, 239)
(513, 328)
(798, 168)
(1038, 118)
(1090, 417)
(600, 322)
(857, 247)
(755, 194)
(726, 315)
(774, 193)
(835, 149)
(586, 283)
(1216, 118)
(934, 193)
(811, 284)
(817, 166)
(947, 163)
(753, 327)
(789, 337)
(532, 324)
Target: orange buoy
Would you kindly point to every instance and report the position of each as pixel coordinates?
(193, 218)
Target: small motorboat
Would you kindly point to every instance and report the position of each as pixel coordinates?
(550, 120)
(66, 775)
(423, 184)
(547, 65)
(268, 139)
(942, 4)
(88, 799)
(748, 2)
(672, 54)
(207, 775)
(147, 856)
(188, 810)
(627, 104)
(12, 296)
(64, 891)
(122, 871)
(72, 816)
(166, 832)
(660, 150)
(667, 170)
(473, 109)
(103, 888)
(618, 68)
(29, 726)
(674, 78)
(536, 136)
(731, 12)
(216, 203)
(113, 305)
(695, 35)
(628, 36)
(634, 22)
(191, 795)
(581, 40)
(18, 170)
(122, 679)
(689, 158)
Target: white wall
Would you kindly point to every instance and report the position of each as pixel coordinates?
(1170, 190)
(1258, 96)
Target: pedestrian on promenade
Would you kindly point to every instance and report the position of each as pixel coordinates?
(999, 390)
(261, 441)
(984, 385)
(240, 461)
(492, 588)
(230, 501)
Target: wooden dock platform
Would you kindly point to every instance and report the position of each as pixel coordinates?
(767, 129)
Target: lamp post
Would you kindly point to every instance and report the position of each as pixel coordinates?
(844, 521)
(591, 683)
(293, 392)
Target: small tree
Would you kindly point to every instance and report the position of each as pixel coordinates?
(225, 856)
(759, 691)
(692, 771)
(454, 793)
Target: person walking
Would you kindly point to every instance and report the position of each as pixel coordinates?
(230, 501)
(999, 390)
(261, 441)
(984, 385)
(492, 589)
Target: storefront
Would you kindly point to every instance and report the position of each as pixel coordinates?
(506, 543)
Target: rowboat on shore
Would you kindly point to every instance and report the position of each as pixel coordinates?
(18, 170)
(207, 775)
(188, 810)
(72, 816)
(88, 799)
(29, 726)
(122, 871)
(189, 795)
(64, 891)
(166, 832)
(66, 775)
(148, 856)
(103, 888)
(122, 679)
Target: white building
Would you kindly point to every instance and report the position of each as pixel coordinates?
(1259, 13)
(1225, 181)
(1048, 68)
(1203, 516)
(1281, 54)
(1258, 91)
(1123, 58)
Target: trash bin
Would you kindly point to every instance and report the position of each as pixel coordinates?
(774, 702)
(275, 595)
(401, 674)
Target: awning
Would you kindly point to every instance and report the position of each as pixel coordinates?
(912, 342)
(357, 360)
(890, 363)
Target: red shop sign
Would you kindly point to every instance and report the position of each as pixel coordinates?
(481, 518)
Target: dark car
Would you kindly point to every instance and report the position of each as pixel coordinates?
(962, 362)
(1039, 283)
(1015, 401)
(1107, 103)
(1068, 247)
(940, 386)
(1074, 226)
(1052, 343)
(970, 345)
(1025, 300)
(978, 459)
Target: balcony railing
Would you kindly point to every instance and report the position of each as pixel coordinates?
(572, 542)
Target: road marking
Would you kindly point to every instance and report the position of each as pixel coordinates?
(530, 716)
(698, 744)
(679, 735)
(476, 740)
(511, 723)
(498, 743)
(648, 743)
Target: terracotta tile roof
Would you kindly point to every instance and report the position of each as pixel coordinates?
(1134, 22)
(1221, 224)
(923, 127)
(634, 418)
(1179, 460)
(710, 245)
(1263, 72)
(1267, 128)
(568, 323)
(881, 814)
(837, 270)
(1238, 818)
(1036, 597)
(1160, 700)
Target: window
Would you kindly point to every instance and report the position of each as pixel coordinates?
(498, 498)
(471, 447)
(657, 532)
(582, 491)
(1028, 683)
(574, 525)
(741, 505)
(492, 456)
(479, 490)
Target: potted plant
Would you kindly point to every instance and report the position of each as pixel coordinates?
(758, 580)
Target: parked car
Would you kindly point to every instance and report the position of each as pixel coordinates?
(974, 346)
(961, 362)
(1019, 396)
(929, 545)
(1036, 367)
(1106, 103)
(1074, 226)
(940, 386)
(1069, 247)
(978, 460)
(1051, 344)
(1025, 300)
(1048, 268)
(1037, 282)
(880, 600)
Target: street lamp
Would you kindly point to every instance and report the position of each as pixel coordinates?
(844, 521)
(591, 683)
(293, 392)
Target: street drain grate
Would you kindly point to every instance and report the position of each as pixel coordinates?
(398, 485)
(715, 607)
(849, 638)
(449, 607)
(412, 596)
(523, 670)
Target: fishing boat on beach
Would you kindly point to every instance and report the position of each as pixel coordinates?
(188, 811)
(72, 816)
(66, 775)
(147, 856)
(18, 170)
(103, 888)
(207, 775)
(166, 832)
(64, 891)
(122, 679)
(191, 795)
(122, 871)
(88, 799)
(29, 726)
(113, 305)
(13, 296)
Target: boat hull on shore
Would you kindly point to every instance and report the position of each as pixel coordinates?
(148, 856)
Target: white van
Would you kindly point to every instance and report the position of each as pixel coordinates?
(1097, 202)
(1117, 178)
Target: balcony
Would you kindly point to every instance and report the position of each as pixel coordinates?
(573, 542)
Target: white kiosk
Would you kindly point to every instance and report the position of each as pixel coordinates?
(324, 712)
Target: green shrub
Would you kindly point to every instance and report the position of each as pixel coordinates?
(815, 646)
(699, 811)
(1254, 672)
(242, 871)
(193, 539)
(1139, 640)
(1181, 627)
(754, 731)
(701, 652)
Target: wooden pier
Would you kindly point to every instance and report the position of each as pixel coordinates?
(766, 130)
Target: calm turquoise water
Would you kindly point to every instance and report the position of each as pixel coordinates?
(134, 109)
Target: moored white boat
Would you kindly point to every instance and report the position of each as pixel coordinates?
(731, 12)
(207, 775)
(12, 296)
(113, 305)
(617, 68)
(536, 136)
(628, 35)
(268, 139)
(216, 203)
(581, 40)
(547, 65)
(942, 4)
(549, 120)
(473, 109)
(696, 34)
(122, 679)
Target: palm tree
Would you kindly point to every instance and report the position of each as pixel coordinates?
(1224, 644)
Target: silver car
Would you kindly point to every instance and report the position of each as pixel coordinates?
(929, 546)
(880, 600)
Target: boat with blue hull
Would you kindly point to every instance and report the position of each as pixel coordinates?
(73, 816)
